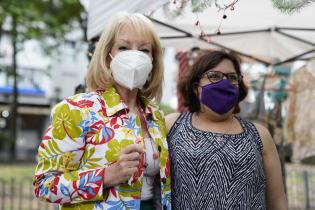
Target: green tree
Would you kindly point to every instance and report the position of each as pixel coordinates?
(47, 21)
(167, 109)
(44, 20)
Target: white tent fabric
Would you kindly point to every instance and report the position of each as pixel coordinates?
(100, 11)
(255, 27)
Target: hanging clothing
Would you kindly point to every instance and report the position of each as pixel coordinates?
(183, 68)
(300, 118)
(185, 60)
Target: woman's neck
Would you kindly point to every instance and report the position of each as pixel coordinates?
(128, 96)
(213, 123)
(212, 118)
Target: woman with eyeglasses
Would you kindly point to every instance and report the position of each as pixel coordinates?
(220, 161)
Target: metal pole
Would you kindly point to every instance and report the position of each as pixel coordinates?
(295, 37)
(20, 194)
(15, 92)
(31, 196)
(3, 197)
(190, 35)
(281, 146)
(12, 193)
(307, 191)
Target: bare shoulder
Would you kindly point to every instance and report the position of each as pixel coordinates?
(170, 120)
(263, 131)
(265, 136)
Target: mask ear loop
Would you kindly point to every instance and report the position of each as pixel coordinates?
(195, 87)
(150, 75)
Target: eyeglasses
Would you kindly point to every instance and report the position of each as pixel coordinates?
(216, 76)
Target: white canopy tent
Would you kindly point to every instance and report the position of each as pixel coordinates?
(254, 29)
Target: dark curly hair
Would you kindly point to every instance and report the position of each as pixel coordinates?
(208, 60)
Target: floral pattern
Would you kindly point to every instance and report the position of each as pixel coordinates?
(65, 122)
(86, 134)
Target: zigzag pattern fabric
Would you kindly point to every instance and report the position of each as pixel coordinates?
(215, 171)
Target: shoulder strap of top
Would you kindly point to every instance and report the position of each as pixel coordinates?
(178, 121)
(251, 128)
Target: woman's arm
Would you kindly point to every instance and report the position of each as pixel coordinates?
(58, 178)
(170, 120)
(275, 195)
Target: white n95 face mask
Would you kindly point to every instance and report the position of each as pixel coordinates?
(131, 68)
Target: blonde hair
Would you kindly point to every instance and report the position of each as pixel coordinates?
(99, 75)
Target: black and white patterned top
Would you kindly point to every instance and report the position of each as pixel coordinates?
(215, 171)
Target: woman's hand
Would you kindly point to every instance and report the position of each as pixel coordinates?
(125, 167)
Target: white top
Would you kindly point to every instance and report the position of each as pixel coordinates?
(151, 170)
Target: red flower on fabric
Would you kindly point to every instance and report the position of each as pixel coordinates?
(100, 134)
(89, 184)
(113, 191)
(140, 169)
(54, 187)
(167, 169)
(103, 107)
(81, 104)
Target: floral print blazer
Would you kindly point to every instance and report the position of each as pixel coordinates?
(86, 134)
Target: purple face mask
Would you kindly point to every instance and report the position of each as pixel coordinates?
(220, 97)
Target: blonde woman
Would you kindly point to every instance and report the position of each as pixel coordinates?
(105, 149)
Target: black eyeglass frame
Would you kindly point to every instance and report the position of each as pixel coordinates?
(222, 75)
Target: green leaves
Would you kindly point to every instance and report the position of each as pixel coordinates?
(115, 147)
(290, 6)
(111, 97)
(89, 161)
(200, 5)
(42, 20)
(66, 123)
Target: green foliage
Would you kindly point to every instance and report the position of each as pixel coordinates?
(4, 138)
(290, 6)
(44, 20)
(167, 109)
(200, 5)
(18, 172)
(48, 21)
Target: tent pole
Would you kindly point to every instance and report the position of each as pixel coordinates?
(171, 27)
(294, 58)
(277, 29)
(174, 37)
(237, 52)
(241, 32)
(296, 29)
(294, 37)
(189, 35)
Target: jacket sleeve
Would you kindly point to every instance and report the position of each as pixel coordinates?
(58, 176)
